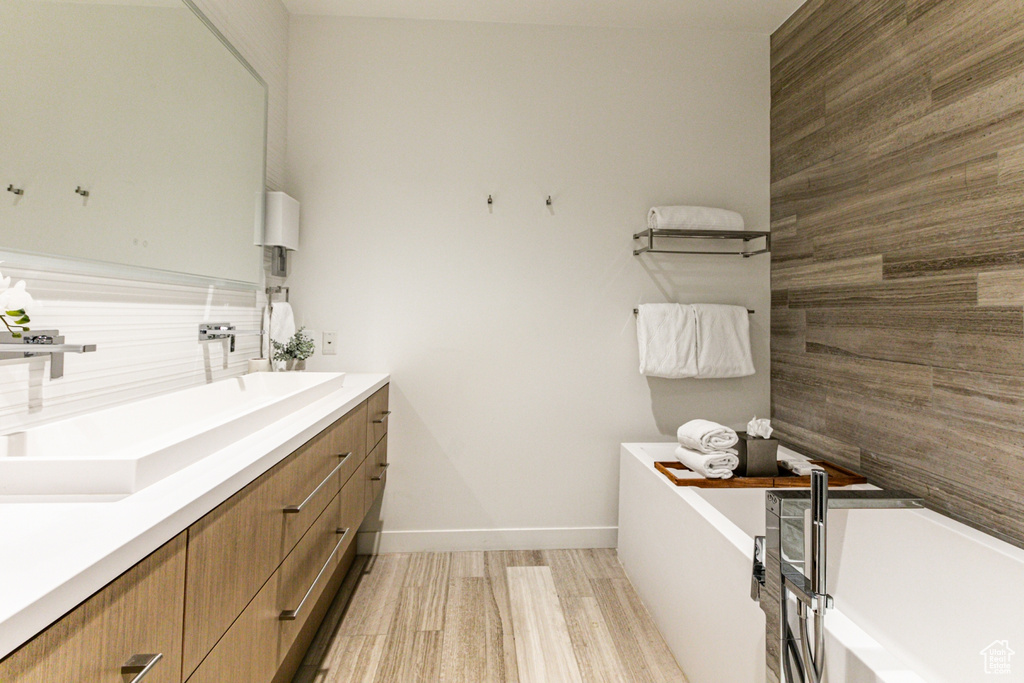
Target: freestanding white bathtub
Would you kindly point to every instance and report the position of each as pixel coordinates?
(918, 596)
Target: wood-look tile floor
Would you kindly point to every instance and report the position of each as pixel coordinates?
(544, 616)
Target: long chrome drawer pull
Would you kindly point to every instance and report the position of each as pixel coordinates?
(344, 456)
(292, 614)
(292, 509)
(381, 475)
(138, 666)
(383, 416)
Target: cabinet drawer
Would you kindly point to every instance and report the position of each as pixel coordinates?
(380, 463)
(348, 435)
(254, 647)
(377, 417)
(306, 572)
(139, 613)
(308, 482)
(353, 496)
(232, 551)
(375, 473)
(318, 470)
(248, 651)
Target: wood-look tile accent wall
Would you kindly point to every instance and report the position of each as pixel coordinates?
(898, 247)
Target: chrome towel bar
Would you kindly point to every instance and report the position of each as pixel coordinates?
(636, 311)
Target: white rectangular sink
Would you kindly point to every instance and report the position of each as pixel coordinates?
(118, 451)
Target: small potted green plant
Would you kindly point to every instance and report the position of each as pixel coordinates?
(295, 351)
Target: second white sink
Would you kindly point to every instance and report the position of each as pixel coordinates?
(118, 451)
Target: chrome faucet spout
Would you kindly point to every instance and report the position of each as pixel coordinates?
(37, 343)
(225, 331)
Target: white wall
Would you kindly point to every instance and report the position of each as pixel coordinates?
(146, 331)
(509, 332)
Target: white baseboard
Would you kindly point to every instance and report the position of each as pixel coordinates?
(375, 542)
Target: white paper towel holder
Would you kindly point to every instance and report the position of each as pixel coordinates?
(281, 230)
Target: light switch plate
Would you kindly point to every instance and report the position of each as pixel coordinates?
(330, 343)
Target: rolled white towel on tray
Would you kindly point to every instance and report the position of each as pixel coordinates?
(693, 218)
(717, 465)
(706, 436)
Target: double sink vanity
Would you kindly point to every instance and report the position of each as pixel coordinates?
(201, 540)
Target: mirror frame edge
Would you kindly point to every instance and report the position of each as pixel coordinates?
(258, 285)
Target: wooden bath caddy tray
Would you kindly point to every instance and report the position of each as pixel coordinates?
(837, 476)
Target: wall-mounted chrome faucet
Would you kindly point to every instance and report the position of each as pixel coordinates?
(779, 571)
(41, 343)
(224, 331)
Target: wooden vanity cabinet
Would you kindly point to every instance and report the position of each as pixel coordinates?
(323, 485)
(139, 613)
(261, 570)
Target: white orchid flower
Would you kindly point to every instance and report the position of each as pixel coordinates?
(15, 298)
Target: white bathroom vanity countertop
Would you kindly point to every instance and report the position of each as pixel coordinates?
(55, 555)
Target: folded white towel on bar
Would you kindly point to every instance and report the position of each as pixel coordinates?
(707, 437)
(693, 218)
(723, 341)
(666, 336)
(717, 465)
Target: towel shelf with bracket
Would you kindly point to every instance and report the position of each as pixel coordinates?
(745, 237)
(636, 311)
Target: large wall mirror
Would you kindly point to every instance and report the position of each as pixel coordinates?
(132, 135)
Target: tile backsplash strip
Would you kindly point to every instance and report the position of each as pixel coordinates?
(146, 334)
(897, 248)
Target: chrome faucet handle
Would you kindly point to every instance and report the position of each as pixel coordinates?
(819, 532)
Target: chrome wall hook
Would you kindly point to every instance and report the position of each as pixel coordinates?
(79, 190)
(16, 190)
(490, 200)
(548, 202)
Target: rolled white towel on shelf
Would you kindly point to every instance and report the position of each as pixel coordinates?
(706, 436)
(693, 218)
(718, 465)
